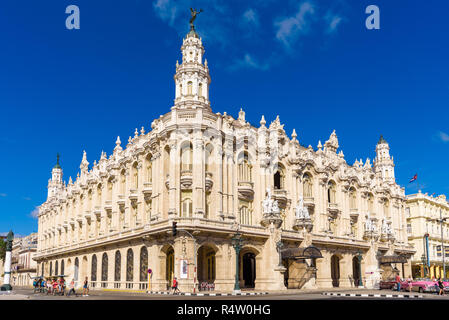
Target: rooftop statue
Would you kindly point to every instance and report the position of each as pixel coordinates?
(194, 13)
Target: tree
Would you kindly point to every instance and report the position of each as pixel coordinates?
(2, 249)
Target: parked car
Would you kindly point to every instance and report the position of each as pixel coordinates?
(424, 285)
(387, 284)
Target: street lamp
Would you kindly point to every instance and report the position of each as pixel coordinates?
(237, 244)
(441, 220)
(423, 259)
(359, 257)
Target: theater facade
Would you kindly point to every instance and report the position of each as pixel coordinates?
(288, 215)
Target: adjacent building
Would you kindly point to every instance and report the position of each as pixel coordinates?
(302, 216)
(23, 267)
(426, 232)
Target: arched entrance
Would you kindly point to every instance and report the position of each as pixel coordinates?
(206, 266)
(84, 268)
(356, 271)
(76, 270)
(170, 266)
(335, 270)
(248, 269)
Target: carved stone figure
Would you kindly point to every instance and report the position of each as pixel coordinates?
(194, 13)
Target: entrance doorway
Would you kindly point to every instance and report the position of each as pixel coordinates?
(249, 269)
(206, 265)
(335, 271)
(356, 271)
(170, 266)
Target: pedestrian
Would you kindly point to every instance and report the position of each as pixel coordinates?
(175, 286)
(441, 287)
(72, 288)
(436, 286)
(85, 288)
(410, 283)
(49, 286)
(398, 282)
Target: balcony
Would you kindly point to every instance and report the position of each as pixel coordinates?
(281, 196)
(309, 202)
(354, 213)
(147, 189)
(186, 179)
(209, 181)
(97, 211)
(133, 195)
(121, 200)
(108, 205)
(79, 218)
(246, 190)
(332, 209)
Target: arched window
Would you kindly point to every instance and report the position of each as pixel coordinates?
(129, 265)
(386, 208)
(77, 267)
(245, 169)
(62, 267)
(135, 176)
(189, 88)
(122, 182)
(209, 158)
(245, 215)
(331, 192)
(110, 189)
(148, 169)
(143, 264)
(93, 273)
(186, 157)
(117, 267)
(99, 194)
(51, 268)
(104, 267)
(307, 186)
(352, 198)
(56, 268)
(186, 207)
(370, 203)
(279, 179)
(200, 90)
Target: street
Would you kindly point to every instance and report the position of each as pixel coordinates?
(27, 294)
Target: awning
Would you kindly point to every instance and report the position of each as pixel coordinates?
(393, 259)
(310, 252)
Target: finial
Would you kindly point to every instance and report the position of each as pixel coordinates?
(129, 139)
(118, 142)
(294, 135)
(142, 131)
(57, 166)
(319, 145)
(262, 121)
(177, 63)
(241, 115)
(136, 133)
(205, 63)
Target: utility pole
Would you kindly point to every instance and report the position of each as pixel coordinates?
(441, 221)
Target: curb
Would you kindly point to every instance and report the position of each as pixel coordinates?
(209, 294)
(372, 295)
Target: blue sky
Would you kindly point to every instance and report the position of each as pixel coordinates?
(311, 62)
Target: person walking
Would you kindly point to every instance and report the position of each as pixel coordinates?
(398, 282)
(410, 284)
(85, 288)
(441, 287)
(72, 288)
(175, 285)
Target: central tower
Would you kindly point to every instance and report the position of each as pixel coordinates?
(192, 77)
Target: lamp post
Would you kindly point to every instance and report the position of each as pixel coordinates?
(237, 244)
(441, 220)
(423, 260)
(359, 257)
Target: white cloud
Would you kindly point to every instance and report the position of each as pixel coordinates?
(443, 136)
(250, 16)
(35, 212)
(166, 10)
(3, 194)
(333, 22)
(290, 28)
(249, 61)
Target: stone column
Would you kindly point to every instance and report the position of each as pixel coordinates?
(7, 266)
(172, 179)
(198, 176)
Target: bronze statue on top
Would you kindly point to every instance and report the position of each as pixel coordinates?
(194, 13)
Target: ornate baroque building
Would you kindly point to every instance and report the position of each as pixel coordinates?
(305, 216)
(424, 231)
